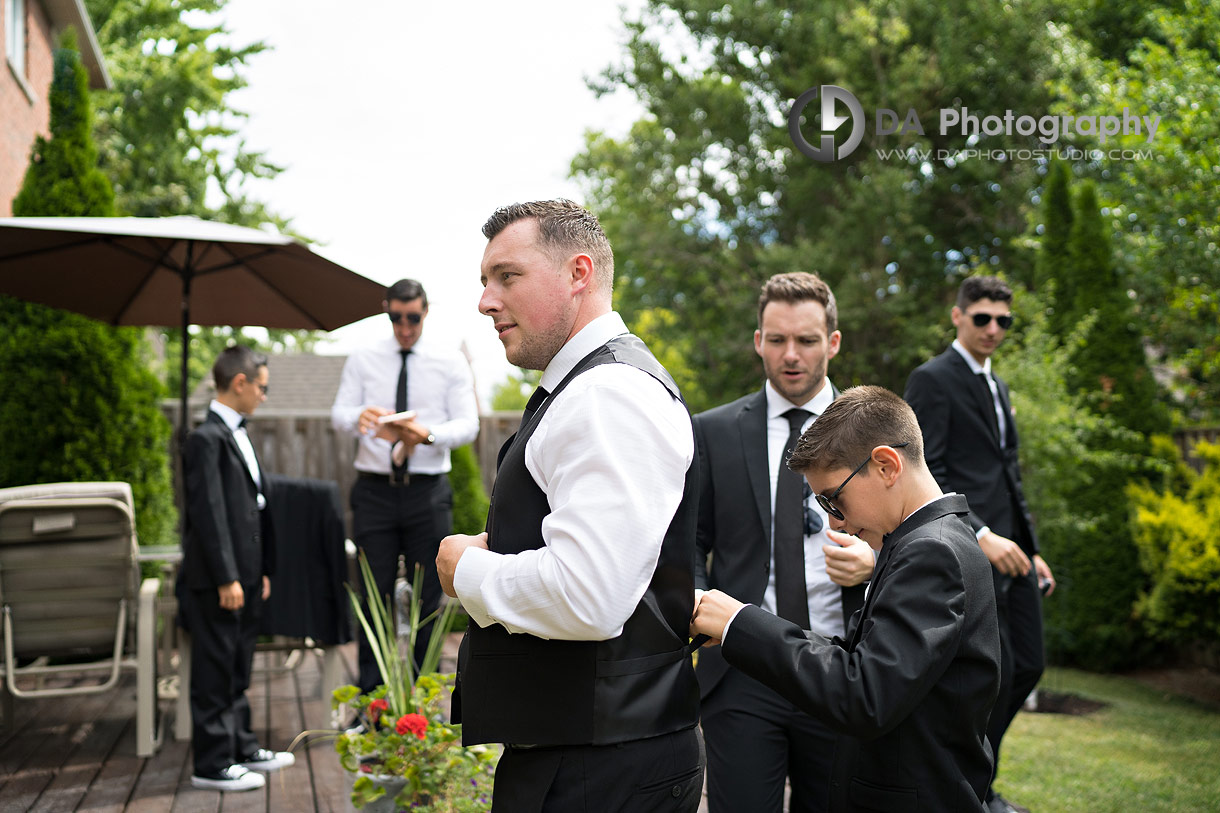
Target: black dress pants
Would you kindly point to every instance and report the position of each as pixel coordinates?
(1019, 610)
(652, 775)
(755, 741)
(408, 520)
(222, 654)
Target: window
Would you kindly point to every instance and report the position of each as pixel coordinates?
(14, 35)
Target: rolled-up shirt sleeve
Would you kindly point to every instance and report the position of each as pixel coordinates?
(611, 453)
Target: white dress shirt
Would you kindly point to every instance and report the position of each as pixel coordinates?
(440, 389)
(824, 596)
(611, 453)
(232, 419)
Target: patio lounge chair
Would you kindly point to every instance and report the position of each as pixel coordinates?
(70, 592)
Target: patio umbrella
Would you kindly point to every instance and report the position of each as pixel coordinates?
(178, 271)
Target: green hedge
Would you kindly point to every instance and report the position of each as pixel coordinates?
(81, 404)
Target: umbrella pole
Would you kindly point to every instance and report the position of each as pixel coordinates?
(183, 425)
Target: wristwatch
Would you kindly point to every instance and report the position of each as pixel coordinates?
(428, 441)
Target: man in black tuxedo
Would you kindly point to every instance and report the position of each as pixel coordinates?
(227, 559)
(970, 441)
(755, 738)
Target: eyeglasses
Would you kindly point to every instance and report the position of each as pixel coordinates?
(982, 319)
(412, 318)
(827, 503)
(263, 388)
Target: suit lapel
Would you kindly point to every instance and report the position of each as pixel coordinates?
(752, 428)
(978, 391)
(231, 442)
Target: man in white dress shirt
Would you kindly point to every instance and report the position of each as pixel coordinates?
(576, 656)
(402, 503)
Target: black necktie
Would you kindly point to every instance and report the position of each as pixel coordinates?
(400, 399)
(996, 411)
(398, 474)
(791, 602)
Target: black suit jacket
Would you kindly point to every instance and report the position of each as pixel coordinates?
(227, 538)
(962, 446)
(735, 514)
(911, 689)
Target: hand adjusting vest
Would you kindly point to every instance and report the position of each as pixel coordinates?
(524, 689)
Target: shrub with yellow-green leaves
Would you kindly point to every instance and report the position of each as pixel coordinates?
(1177, 532)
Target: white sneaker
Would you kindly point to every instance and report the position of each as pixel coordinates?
(234, 777)
(267, 760)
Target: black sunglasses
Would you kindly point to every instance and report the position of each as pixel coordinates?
(981, 320)
(412, 318)
(827, 503)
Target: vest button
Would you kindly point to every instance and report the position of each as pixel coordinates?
(676, 792)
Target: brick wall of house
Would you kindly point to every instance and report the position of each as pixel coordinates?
(21, 120)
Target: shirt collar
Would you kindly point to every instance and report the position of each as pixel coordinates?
(591, 336)
(975, 367)
(777, 404)
(228, 414)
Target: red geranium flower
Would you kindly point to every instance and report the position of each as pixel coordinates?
(415, 723)
(376, 707)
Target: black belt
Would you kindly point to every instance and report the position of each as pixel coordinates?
(387, 479)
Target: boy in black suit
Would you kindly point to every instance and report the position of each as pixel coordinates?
(911, 688)
(971, 447)
(228, 557)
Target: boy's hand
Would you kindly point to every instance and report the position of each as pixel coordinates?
(712, 613)
(849, 561)
(231, 596)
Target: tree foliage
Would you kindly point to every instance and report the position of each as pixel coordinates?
(63, 176)
(706, 196)
(1163, 205)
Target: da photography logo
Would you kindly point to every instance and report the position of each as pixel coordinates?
(831, 122)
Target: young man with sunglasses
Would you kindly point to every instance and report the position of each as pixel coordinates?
(910, 687)
(970, 440)
(767, 544)
(402, 503)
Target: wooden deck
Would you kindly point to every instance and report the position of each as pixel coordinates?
(78, 753)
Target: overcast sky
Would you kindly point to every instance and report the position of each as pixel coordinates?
(403, 125)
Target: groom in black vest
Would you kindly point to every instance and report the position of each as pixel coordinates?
(581, 590)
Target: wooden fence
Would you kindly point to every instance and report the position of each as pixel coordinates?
(1187, 438)
(302, 443)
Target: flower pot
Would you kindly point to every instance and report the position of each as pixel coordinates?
(383, 804)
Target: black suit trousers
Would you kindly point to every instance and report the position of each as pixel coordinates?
(1019, 611)
(654, 775)
(222, 655)
(757, 740)
(409, 521)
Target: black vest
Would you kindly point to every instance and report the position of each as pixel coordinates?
(523, 689)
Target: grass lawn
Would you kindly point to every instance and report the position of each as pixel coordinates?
(1146, 751)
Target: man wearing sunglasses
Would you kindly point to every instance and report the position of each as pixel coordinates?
(766, 538)
(970, 441)
(402, 504)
